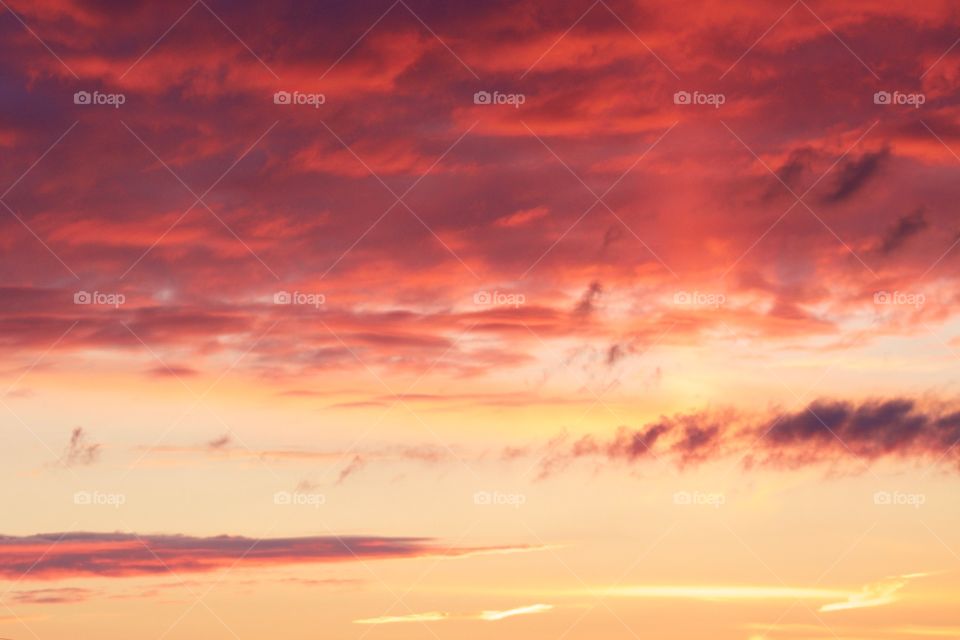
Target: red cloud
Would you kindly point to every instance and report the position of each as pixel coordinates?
(690, 199)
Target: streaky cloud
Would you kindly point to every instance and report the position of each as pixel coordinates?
(434, 616)
(66, 555)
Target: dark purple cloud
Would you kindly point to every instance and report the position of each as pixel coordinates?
(825, 432)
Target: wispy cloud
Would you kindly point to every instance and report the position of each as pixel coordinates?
(433, 616)
(824, 432)
(65, 595)
(519, 611)
(79, 554)
(352, 467)
(720, 592)
(875, 594)
(220, 443)
(429, 616)
(80, 451)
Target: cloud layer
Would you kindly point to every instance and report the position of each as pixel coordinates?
(200, 197)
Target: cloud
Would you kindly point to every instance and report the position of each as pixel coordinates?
(875, 594)
(905, 228)
(523, 217)
(79, 554)
(306, 486)
(434, 616)
(20, 393)
(869, 430)
(64, 595)
(839, 434)
(588, 300)
(352, 467)
(719, 592)
(518, 611)
(79, 451)
(824, 432)
(203, 86)
(219, 443)
(223, 447)
(172, 372)
(689, 437)
(860, 631)
(854, 174)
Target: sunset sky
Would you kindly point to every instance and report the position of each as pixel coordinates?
(458, 320)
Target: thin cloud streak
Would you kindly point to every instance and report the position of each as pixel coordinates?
(875, 594)
(81, 554)
(435, 616)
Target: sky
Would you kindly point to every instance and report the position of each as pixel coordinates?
(439, 319)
